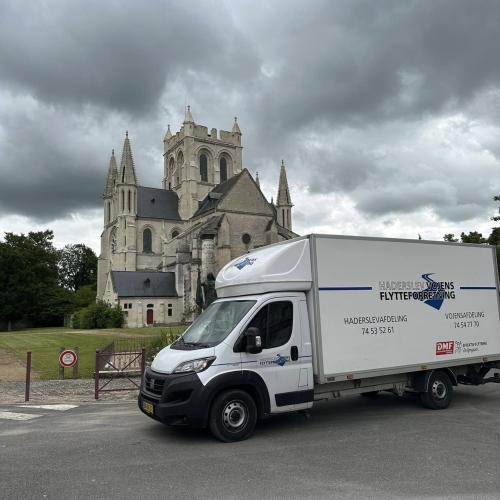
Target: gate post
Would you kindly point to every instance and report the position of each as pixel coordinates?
(143, 360)
(96, 375)
(28, 376)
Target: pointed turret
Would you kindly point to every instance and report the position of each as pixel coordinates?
(257, 179)
(168, 135)
(127, 168)
(112, 175)
(236, 127)
(284, 203)
(283, 192)
(189, 117)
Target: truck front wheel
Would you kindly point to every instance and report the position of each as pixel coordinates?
(233, 416)
(439, 391)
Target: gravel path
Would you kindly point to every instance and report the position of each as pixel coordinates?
(66, 391)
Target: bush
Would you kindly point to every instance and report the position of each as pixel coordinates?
(97, 315)
(154, 346)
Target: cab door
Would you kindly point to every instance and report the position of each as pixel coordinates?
(278, 364)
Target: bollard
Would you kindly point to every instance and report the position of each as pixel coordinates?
(28, 376)
(96, 375)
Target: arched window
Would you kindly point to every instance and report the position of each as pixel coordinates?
(129, 200)
(175, 234)
(147, 241)
(223, 169)
(109, 211)
(203, 168)
(123, 201)
(171, 167)
(180, 163)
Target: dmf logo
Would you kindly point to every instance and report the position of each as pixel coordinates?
(445, 347)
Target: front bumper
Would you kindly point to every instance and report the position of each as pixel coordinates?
(177, 399)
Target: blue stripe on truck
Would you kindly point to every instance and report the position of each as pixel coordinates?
(335, 288)
(478, 288)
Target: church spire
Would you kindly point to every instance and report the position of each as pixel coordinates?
(189, 117)
(283, 202)
(127, 168)
(283, 192)
(236, 127)
(112, 175)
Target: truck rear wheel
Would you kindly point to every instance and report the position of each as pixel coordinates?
(439, 391)
(233, 416)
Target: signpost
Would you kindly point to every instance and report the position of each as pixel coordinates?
(68, 359)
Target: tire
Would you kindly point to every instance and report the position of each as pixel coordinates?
(233, 416)
(370, 394)
(439, 391)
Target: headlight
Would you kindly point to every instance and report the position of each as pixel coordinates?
(196, 365)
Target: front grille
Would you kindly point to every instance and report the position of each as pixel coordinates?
(153, 385)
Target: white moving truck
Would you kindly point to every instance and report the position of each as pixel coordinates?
(320, 317)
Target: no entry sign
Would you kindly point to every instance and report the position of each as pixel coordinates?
(67, 358)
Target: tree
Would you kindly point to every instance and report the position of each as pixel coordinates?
(28, 270)
(450, 238)
(84, 297)
(473, 237)
(77, 267)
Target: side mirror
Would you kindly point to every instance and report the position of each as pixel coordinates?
(253, 341)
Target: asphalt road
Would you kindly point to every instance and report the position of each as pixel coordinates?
(354, 448)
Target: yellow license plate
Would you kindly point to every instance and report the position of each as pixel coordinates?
(148, 407)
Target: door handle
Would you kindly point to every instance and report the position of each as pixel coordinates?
(294, 353)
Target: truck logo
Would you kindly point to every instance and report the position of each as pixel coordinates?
(245, 262)
(430, 292)
(278, 360)
(445, 347)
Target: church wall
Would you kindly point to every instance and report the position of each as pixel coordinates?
(102, 273)
(253, 225)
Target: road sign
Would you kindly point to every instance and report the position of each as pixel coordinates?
(67, 358)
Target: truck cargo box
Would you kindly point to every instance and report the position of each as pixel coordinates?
(383, 306)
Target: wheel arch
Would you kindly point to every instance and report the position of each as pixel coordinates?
(245, 380)
(421, 379)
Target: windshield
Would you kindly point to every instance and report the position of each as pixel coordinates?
(214, 325)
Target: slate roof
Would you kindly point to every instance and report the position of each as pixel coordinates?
(153, 203)
(212, 200)
(143, 284)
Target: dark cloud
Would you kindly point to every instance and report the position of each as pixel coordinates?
(391, 105)
(118, 54)
(353, 63)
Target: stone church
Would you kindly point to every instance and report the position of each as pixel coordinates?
(208, 211)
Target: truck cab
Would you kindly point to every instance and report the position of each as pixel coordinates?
(246, 357)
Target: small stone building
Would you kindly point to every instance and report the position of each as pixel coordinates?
(208, 211)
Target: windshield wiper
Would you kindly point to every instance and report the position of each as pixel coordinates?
(199, 344)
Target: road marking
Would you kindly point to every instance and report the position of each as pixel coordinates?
(50, 407)
(10, 415)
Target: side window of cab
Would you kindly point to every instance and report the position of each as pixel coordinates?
(275, 323)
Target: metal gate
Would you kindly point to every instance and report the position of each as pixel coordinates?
(111, 365)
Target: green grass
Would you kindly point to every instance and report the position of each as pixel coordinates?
(45, 343)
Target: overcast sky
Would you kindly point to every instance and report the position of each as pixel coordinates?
(386, 113)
